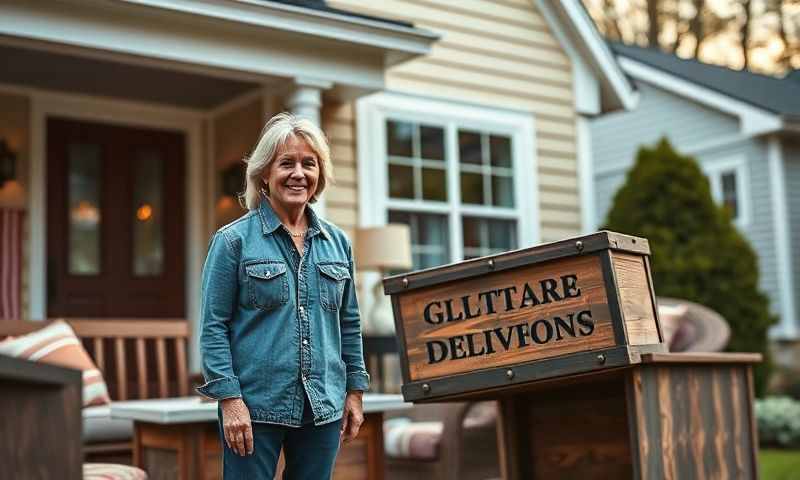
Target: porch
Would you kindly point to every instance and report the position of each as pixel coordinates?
(208, 74)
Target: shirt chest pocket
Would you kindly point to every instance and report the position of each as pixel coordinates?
(332, 279)
(267, 284)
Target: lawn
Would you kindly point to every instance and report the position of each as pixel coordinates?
(779, 464)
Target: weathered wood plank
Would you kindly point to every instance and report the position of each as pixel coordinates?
(546, 338)
(637, 306)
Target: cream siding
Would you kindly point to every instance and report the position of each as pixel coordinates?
(495, 53)
(341, 198)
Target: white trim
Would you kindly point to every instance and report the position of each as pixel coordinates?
(787, 328)
(714, 168)
(83, 107)
(753, 120)
(594, 49)
(116, 30)
(585, 85)
(586, 175)
(372, 112)
(306, 21)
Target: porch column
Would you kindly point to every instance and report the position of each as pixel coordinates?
(305, 100)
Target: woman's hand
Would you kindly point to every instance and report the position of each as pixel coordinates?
(237, 426)
(353, 415)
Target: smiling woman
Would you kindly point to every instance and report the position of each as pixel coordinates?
(281, 335)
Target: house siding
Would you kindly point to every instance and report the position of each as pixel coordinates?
(617, 137)
(341, 198)
(791, 159)
(499, 54)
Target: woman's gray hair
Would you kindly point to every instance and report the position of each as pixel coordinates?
(275, 133)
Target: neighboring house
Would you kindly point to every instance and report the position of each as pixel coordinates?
(465, 119)
(744, 129)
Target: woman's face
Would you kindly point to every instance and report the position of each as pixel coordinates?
(292, 177)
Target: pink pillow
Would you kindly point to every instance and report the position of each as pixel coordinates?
(57, 344)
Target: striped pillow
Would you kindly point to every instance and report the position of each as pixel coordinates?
(57, 344)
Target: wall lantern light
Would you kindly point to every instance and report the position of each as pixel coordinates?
(8, 163)
(232, 179)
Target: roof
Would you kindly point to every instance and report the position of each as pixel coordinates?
(322, 6)
(776, 95)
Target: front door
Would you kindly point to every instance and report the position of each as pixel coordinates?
(115, 221)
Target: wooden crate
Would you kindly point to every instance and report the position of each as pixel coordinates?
(496, 323)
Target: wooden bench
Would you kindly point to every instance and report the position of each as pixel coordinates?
(139, 358)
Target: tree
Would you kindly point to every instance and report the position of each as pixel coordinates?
(697, 252)
(684, 26)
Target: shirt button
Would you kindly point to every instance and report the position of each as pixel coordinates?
(305, 341)
(301, 309)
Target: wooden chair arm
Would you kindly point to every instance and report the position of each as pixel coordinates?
(452, 442)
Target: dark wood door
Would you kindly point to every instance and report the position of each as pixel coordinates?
(115, 221)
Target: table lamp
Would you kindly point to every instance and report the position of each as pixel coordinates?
(381, 249)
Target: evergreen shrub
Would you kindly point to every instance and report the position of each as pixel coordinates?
(697, 252)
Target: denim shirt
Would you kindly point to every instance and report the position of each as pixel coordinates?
(275, 324)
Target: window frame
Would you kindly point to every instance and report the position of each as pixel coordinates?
(374, 203)
(715, 169)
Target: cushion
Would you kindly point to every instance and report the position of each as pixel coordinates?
(403, 438)
(111, 471)
(418, 440)
(98, 426)
(57, 344)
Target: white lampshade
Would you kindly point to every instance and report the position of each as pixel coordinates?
(383, 248)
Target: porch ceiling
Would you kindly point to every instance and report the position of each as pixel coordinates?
(75, 74)
(245, 40)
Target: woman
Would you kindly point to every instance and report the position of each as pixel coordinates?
(281, 339)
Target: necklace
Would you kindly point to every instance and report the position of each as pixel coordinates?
(296, 235)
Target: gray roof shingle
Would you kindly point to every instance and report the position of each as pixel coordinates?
(778, 95)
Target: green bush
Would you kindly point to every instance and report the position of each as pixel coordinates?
(778, 421)
(697, 252)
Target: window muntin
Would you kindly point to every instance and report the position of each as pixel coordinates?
(416, 154)
(487, 236)
(425, 163)
(429, 237)
(486, 176)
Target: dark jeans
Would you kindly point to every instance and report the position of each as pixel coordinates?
(309, 451)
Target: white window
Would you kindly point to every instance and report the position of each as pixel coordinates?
(728, 181)
(462, 177)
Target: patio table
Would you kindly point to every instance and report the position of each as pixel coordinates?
(178, 438)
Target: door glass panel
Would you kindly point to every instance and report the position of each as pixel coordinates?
(148, 214)
(84, 209)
